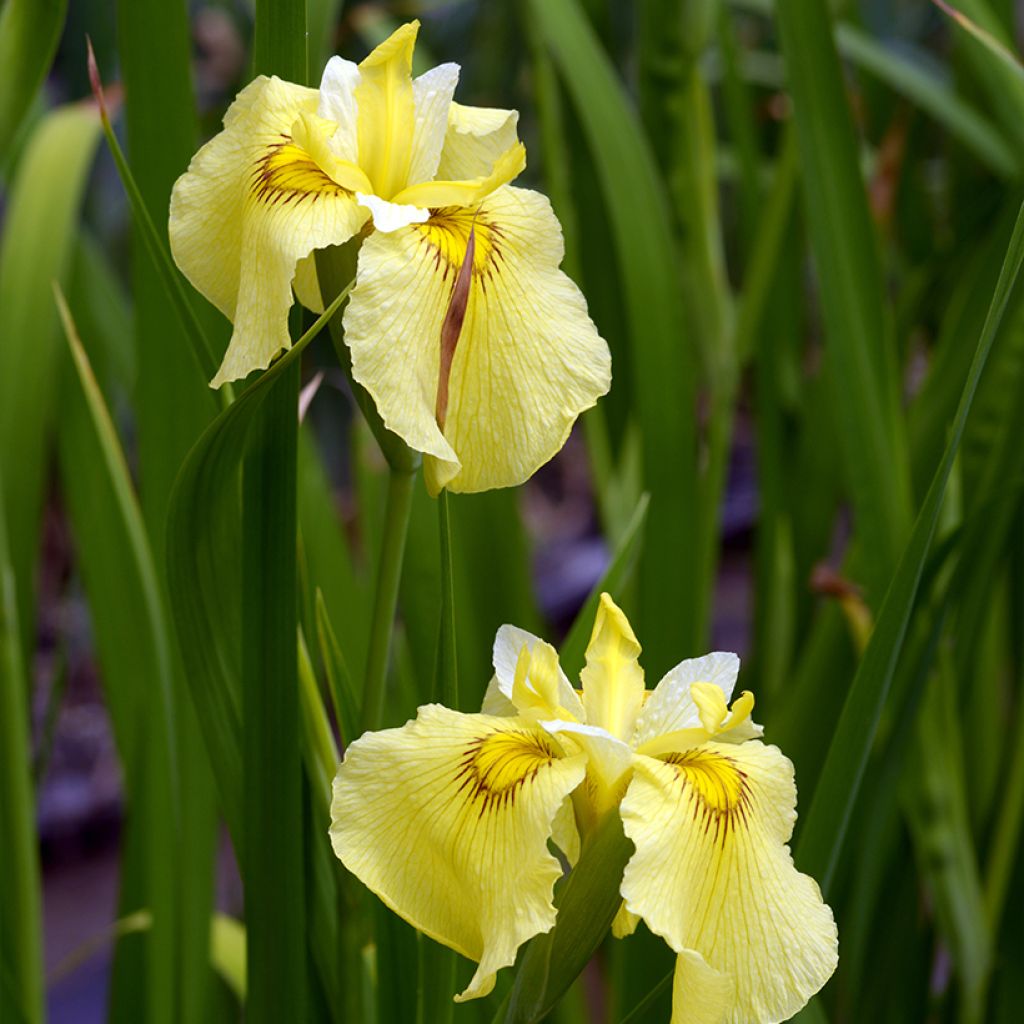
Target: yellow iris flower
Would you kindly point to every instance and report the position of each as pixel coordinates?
(448, 819)
(378, 154)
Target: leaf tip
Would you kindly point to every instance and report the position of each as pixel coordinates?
(94, 79)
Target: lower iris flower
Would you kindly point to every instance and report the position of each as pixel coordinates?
(448, 820)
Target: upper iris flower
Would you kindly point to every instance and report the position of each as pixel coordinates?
(448, 819)
(376, 153)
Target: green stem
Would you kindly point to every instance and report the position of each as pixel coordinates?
(334, 267)
(447, 664)
(385, 598)
(436, 963)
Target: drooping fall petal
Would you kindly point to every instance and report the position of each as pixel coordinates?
(251, 205)
(712, 873)
(447, 820)
(700, 994)
(528, 361)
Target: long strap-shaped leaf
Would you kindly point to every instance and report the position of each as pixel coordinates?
(202, 535)
(39, 229)
(824, 829)
(864, 380)
(133, 643)
(29, 33)
(21, 945)
(664, 365)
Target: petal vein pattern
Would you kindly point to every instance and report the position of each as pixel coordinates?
(712, 874)
(529, 359)
(447, 819)
(251, 205)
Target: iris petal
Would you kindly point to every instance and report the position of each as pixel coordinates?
(670, 706)
(250, 206)
(447, 819)
(613, 681)
(712, 874)
(528, 360)
(475, 138)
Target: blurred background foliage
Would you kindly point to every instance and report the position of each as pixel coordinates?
(795, 228)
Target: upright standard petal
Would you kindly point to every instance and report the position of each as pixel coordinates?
(475, 138)
(561, 698)
(387, 111)
(528, 359)
(447, 819)
(338, 104)
(670, 706)
(712, 874)
(432, 97)
(252, 204)
(613, 681)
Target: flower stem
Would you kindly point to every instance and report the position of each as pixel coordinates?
(385, 598)
(447, 688)
(334, 267)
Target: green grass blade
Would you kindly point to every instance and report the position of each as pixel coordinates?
(1004, 851)
(740, 120)
(663, 363)
(936, 805)
(172, 404)
(202, 348)
(29, 33)
(909, 74)
(21, 943)
(996, 66)
(676, 106)
(331, 562)
(38, 239)
(272, 768)
(319, 750)
(343, 694)
(203, 572)
(823, 833)
(397, 508)
(272, 801)
(860, 361)
(322, 19)
(135, 657)
(173, 401)
(103, 311)
(486, 600)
